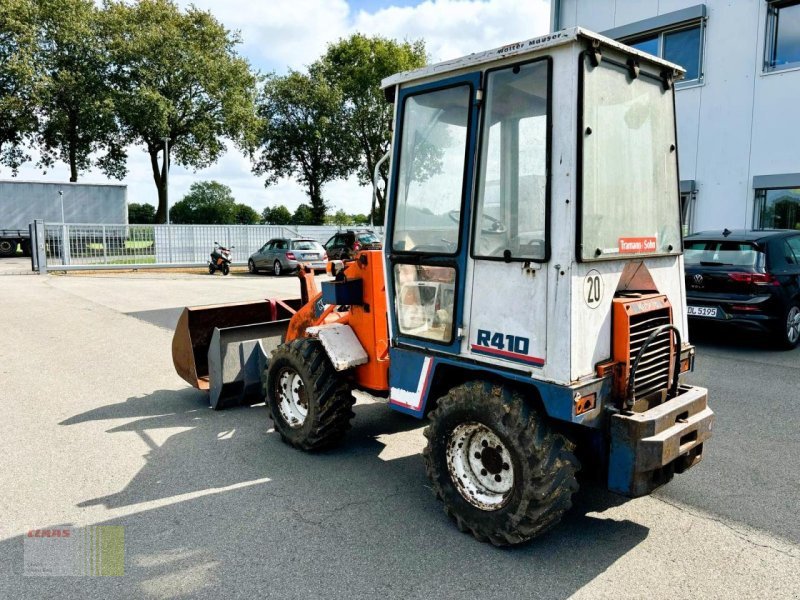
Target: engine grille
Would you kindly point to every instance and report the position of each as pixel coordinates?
(652, 372)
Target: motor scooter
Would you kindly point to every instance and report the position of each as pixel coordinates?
(220, 259)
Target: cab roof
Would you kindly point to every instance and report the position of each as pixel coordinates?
(558, 38)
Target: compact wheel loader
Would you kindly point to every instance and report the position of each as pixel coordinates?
(529, 300)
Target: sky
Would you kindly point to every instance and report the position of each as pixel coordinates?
(283, 34)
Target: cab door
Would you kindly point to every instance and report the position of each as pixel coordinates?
(429, 212)
(508, 308)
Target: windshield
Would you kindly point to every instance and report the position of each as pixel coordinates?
(722, 253)
(629, 180)
(306, 245)
(430, 176)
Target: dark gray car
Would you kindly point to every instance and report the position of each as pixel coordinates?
(750, 279)
(284, 255)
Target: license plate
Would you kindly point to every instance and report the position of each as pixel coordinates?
(703, 311)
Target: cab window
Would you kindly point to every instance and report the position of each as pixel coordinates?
(510, 218)
(629, 203)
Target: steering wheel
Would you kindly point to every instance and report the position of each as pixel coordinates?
(495, 226)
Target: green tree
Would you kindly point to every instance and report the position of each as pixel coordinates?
(277, 215)
(339, 218)
(356, 66)
(77, 117)
(177, 75)
(144, 214)
(304, 215)
(208, 202)
(19, 80)
(246, 215)
(302, 121)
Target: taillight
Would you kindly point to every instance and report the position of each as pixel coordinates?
(755, 278)
(745, 307)
(290, 255)
(356, 246)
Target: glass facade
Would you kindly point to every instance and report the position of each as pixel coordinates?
(778, 209)
(683, 46)
(783, 35)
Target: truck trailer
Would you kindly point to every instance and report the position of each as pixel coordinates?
(22, 202)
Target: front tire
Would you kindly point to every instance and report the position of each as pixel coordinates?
(225, 268)
(502, 473)
(308, 400)
(277, 268)
(251, 266)
(788, 335)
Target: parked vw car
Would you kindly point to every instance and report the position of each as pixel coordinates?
(284, 255)
(747, 278)
(345, 244)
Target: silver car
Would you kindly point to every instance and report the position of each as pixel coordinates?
(284, 255)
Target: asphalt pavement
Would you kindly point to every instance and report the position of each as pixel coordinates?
(99, 430)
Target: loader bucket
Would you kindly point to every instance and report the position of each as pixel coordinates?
(193, 334)
(237, 358)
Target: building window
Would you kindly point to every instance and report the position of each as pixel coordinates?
(688, 200)
(778, 208)
(683, 46)
(783, 35)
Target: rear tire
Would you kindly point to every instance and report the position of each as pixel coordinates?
(211, 269)
(277, 268)
(308, 400)
(501, 472)
(787, 335)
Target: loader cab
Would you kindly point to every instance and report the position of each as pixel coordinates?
(524, 180)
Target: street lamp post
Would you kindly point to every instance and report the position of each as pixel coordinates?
(166, 175)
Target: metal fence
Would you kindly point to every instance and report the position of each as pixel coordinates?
(73, 246)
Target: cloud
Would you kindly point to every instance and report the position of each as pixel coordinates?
(282, 34)
(453, 28)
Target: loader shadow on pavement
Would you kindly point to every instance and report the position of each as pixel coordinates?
(252, 517)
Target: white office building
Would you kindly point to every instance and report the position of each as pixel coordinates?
(738, 107)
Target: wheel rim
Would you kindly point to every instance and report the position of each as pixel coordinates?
(480, 465)
(250, 266)
(292, 398)
(793, 324)
(277, 267)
